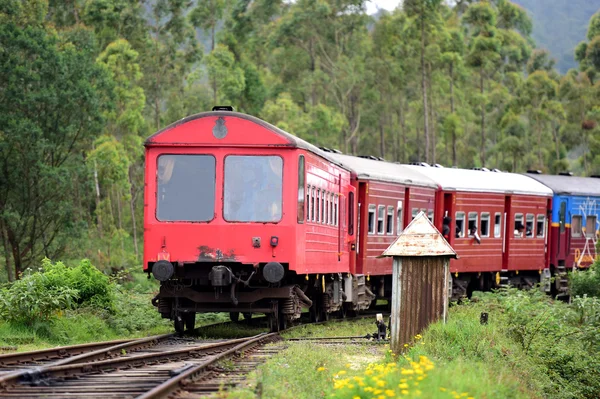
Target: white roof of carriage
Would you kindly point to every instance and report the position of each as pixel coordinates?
(383, 171)
(481, 181)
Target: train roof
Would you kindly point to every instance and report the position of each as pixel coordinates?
(383, 171)
(454, 179)
(572, 185)
(292, 141)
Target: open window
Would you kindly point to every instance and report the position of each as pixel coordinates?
(562, 215)
(497, 224)
(389, 223)
(576, 226)
(430, 215)
(484, 230)
(323, 194)
(336, 203)
(540, 228)
(529, 225)
(473, 216)
(331, 215)
(313, 194)
(460, 224)
(381, 219)
(415, 212)
(519, 226)
(372, 209)
(399, 217)
(308, 203)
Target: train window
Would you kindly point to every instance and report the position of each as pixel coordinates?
(390, 221)
(430, 216)
(336, 210)
(186, 188)
(562, 215)
(331, 215)
(590, 226)
(318, 206)
(351, 213)
(380, 219)
(460, 224)
(529, 225)
(484, 230)
(252, 188)
(323, 194)
(301, 191)
(540, 228)
(519, 226)
(497, 225)
(372, 219)
(473, 216)
(576, 226)
(415, 212)
(312, 203)
(399, 217)
(308, 203)
(326, 219)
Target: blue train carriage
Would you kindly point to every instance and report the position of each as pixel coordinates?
(575, 223)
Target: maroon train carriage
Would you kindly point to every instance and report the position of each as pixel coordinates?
(230, 225)
(390, 195)
(499, 226)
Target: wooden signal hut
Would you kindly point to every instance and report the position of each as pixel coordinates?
(421, 280)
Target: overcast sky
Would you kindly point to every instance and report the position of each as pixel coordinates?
(373, 5)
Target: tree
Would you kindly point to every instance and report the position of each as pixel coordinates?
(54, 98)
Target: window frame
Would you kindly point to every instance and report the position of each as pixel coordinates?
(482, 217)
(371, 227)
(399, 217)
(580, 232)
(308, 197)
(469, 222)
(499, 224)
(532, 225)
(537, 221)
(301, 189)
(521, 217)
(460, 215)
(389, 222)
(588, 233)
(156, 193)
(381, 217)
(313, 195)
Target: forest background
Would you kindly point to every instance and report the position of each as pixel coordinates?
(84, 82)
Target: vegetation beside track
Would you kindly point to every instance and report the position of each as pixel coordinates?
(532, 347)
(61, 305)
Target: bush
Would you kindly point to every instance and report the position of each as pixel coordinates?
(586, 282)
(33, 298)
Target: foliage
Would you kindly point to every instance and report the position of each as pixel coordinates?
(586, 282)
(34, 298)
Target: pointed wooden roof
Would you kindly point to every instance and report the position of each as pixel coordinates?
(420, 238)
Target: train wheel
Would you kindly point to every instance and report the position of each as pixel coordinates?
(179, 324)
(234, 316)
(190, 321)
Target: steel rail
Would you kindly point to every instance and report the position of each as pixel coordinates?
(188, 376)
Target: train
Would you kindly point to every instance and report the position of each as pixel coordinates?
(243, 217)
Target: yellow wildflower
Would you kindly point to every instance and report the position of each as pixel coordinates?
(377, 391)
(356, 397)
(404, 392)
(380, 383)
(342, 372)
(321, 369)
(403, 386)
(348, 365)
(406, 345)
(406, 371)
(390, 393)
(443, 389)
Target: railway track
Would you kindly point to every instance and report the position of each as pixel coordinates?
(161, 366)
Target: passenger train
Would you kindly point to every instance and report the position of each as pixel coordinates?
(243, 217)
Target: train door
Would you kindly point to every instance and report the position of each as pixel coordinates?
(507, 231)
(563, 237)
(361, 233)
(449, 210)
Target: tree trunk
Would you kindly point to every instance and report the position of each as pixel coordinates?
(402, 122)
(212, 36)
(132, 209)
(482, 149)
(555, 133)
(98, 215)
(433, 117)
(7, 259)
(424, 85)
(381, 138)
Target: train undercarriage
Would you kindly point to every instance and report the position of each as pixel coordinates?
(271, 289)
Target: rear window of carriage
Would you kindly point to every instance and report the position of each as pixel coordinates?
(252, 189)
(185, 188)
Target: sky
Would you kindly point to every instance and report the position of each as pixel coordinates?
(373, 5)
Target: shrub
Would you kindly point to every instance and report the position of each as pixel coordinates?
(33, 299)
(586, 282)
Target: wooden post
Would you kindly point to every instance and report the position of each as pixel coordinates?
(420, 280)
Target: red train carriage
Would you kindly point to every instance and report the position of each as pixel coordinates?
(499, 226)
(243, 217)
(389, 196)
